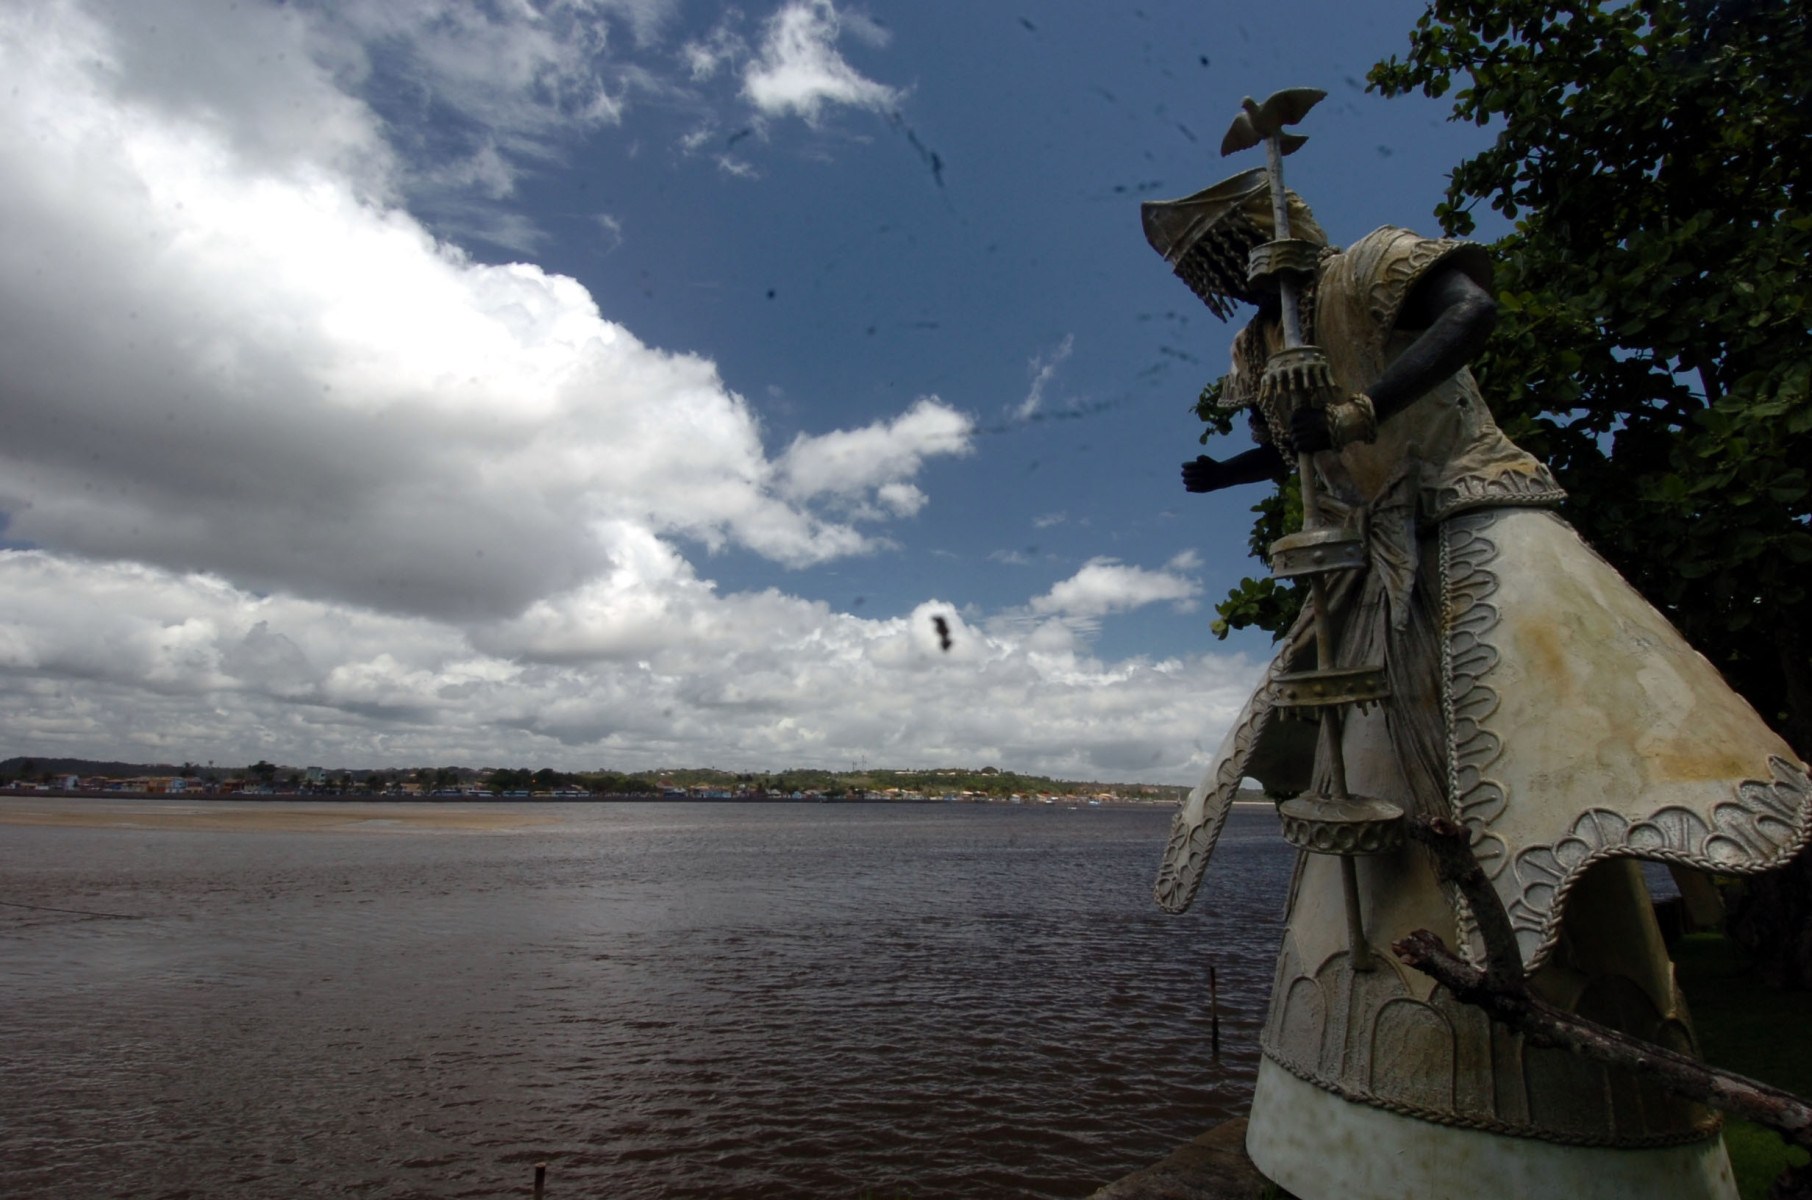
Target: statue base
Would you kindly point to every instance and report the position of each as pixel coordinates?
(1317, 1146)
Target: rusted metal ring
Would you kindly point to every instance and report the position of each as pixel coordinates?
(1267, 264)
(1329, 687)
(1349, 826)
(1316, 552)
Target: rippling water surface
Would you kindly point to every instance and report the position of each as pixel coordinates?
(685, 1000)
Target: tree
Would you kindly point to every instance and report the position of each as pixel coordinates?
(1261, 602)
(1653, 343)
(508, 779)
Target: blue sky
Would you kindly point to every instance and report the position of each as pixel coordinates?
(618, 383)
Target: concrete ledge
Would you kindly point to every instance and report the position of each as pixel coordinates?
(1212, 1167)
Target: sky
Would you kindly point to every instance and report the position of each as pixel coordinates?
(617, 384)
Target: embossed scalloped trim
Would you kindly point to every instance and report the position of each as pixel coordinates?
(1764, 824)
(1190, 846)
(1404, 268)
(1469, 614)
(1761, 826)
(1511, 485)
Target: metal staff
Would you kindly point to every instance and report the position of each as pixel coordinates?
(1300, 374)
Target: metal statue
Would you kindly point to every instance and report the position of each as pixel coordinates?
(1462, 654)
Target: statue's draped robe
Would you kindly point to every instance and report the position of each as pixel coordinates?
(1535, 698)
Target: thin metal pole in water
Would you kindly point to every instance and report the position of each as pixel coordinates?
(1214, 1014)
(540, 1180)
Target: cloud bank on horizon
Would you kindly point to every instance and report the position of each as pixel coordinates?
(286, 475)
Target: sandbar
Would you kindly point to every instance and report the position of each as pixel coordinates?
(275, 817)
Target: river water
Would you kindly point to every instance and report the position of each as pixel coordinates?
(654, 999)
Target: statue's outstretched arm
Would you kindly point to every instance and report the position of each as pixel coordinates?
(1455, 315)
(1206, 474)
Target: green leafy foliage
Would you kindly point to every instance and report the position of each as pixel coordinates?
(1654, 297)
(878, 781)
(1255, 603)
(1207, 407)
(615, 783)
(1265, 603)
(506, 780)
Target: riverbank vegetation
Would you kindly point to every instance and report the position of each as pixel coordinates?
(706, 783)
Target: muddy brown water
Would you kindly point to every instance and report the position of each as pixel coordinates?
(655, 999)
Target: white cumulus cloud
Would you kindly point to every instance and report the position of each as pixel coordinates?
(878, 458)
(799, 71)
(228, 364)
(649, 666)
(1105, 586)
(285, 475)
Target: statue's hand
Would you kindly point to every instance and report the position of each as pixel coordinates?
(1309, 430)
(1205, 475)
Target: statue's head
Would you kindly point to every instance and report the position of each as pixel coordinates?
(1207, 237)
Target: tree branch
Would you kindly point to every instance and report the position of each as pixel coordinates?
(1451, 846)
(1501, 989)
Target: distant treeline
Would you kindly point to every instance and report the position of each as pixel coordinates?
(984, 781)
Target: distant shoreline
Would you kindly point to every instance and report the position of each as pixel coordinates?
(624, 798)
(169, 814)
(389, 814)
